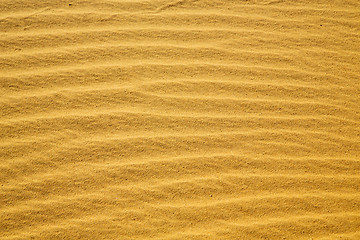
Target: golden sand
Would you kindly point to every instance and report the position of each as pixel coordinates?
(159, 119)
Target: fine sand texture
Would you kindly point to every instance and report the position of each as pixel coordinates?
(187, 119)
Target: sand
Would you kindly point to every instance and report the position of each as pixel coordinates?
(160, 119)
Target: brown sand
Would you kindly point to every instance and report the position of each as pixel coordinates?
(207, 119)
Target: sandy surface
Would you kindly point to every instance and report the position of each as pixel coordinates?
(207, 119)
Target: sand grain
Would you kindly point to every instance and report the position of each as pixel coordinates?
(179, 119)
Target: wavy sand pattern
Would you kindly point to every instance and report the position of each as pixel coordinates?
(190, 119)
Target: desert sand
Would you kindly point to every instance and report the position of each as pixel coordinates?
(160, 119)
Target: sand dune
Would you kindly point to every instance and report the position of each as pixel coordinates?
(188, 119)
